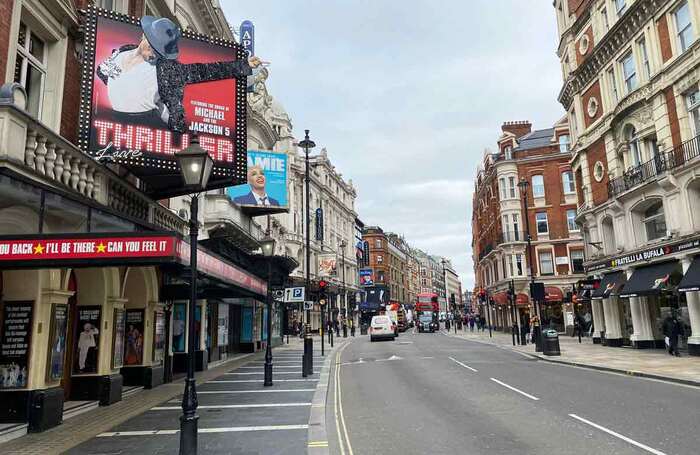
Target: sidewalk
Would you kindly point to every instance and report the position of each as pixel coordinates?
(85, 426)
(653, 363)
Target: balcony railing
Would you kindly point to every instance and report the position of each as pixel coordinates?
(512, 236)
(36, 150)
(658, 165)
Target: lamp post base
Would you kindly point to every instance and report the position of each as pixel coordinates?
(188, 434)
(268, 375)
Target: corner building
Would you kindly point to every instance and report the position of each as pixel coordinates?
(631, 92)
(539, 158)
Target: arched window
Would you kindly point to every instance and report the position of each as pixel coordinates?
(609, 243)
(635, 151)
(655, 221)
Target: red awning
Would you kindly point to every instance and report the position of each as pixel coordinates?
(501, 298)
(553, 294)
(522, 299)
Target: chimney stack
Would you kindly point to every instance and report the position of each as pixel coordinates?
(518, 128)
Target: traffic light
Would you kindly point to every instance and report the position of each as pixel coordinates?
(322, 285)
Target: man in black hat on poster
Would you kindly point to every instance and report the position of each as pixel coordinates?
(146, 83)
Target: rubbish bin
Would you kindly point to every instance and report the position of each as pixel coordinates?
(363, 329)
(550, 341)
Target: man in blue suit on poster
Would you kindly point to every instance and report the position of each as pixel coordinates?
(257, 195)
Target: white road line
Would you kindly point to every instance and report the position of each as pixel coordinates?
(273, 366)
(239, 381)
(260, 372)
(465, 366)
(532, 397)
(618, 435)
(211, 392)
(204, 430)
(234, 406)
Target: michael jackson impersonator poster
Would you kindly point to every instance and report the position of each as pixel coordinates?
(149, 87)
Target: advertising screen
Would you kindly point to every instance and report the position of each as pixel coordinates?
(266, 187)
(148, 87)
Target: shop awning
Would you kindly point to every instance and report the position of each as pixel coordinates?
(501, 298)
(611, 284)
(650, 280)
(522, 299)
(118, 249)
(691, 279)
(553, 294)
(583, 295)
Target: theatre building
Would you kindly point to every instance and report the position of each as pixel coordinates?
(632, 96)
(94, 273)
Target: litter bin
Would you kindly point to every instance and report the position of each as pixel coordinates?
(363, 329)
(550, 341)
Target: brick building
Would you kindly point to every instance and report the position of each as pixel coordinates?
(632, 97)
(539, 160)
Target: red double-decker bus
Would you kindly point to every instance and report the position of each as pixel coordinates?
(427, 312)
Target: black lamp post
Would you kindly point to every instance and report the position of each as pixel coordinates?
(444, 283)
(523, 185)
(196, 166)
(343, 245)
(267, 245)
(307, 365)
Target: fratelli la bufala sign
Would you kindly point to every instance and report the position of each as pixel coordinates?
(645, 255)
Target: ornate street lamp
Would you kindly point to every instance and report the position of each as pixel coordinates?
(268, 249)
(523, 185)
(195, 167)
(307, 363)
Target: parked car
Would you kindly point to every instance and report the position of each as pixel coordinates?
(382, 327)
(426, 323)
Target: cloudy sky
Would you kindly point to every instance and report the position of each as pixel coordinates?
(406, 95)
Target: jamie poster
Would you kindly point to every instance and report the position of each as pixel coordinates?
(366, 277)
(179, 327)
(87, 338)
(134, 337)
(266, 185)
(14, 344)
(57, 342)
(152, 86)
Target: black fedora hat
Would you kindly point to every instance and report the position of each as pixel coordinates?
(162, 34)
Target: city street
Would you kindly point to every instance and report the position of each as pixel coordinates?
(432, 393)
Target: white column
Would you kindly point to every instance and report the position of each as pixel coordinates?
(641, 324)
(693, 300)
(598, 319)
(611, 315)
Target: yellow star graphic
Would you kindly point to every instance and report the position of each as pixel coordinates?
(101, 247)
(38, 249)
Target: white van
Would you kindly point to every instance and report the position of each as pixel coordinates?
(382, 327)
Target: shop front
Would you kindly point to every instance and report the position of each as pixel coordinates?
(552, 310)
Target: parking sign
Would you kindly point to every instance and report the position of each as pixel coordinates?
(294, 295)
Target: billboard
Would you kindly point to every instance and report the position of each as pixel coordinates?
(327, 265)
(266, 187)
(376, 297)
(148, 87)
(366, 277)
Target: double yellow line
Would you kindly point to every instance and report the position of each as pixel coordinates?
(343, 438)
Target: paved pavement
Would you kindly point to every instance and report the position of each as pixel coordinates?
(430, 393)
(649, 362)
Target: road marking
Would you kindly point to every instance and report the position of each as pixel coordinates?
(234, 406)
(393, 357)
(254, 391)
(618, 435)
(464, 365)
(339, 402)
(274, 366)
(204, 430)
(240, 381)
(314, 444)
(532, 397)
(279, 372)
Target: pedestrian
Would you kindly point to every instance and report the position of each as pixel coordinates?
(471, 323)
(673, 328)
(352, 327)
(524, 330)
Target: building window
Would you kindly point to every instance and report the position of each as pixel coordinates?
(509, 152)
(620, 6)
(510, 265)
(567, 180)
(604, 19)
(106, 4)
(613, 84)
(546, 264)
(577, 261)
(502, 187)
(511, 186)
(646, 68)
(380, 276)
(634, 148)
(519, 264)
(629, 72)
(655, 221)
(506, 226)
(377, 243)
(30, 67)
(684, 27)
(693, 103)
(380, 259)
(542, 225)
(571, 220)
(564, 143)
(538, 186)
(516, 227)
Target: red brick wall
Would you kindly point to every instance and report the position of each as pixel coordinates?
(5, 19)
(595, 153)
(71, 95)
(664, 39)
(581, 57)
(518, 128)
(672, 116)
(374, 251)
(576, 7)
(592, 92)
(561, 251)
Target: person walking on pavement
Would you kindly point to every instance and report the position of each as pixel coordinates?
(673, 328)
(352, 327)
(471, 323)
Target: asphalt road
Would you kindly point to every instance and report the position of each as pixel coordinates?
(431, 393)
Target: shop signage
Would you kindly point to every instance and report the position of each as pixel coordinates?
(118, 339)
(148, 86)
(14, 344)
(319, 224)
(266, 190)
(645, 255)
(327, 265)
(57, 342)
(366, 277)
(133, 354)
(158, 338)
(294, 295)
(87, 339)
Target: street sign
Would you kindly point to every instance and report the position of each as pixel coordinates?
(294, 295)
(278, 294)
(308, 305)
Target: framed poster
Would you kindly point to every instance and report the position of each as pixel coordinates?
(134, 337)
(158, 338)
(179, 326)
(14, 344)
(222, 325)
(87, 339)
(118, 340)
(57, 342)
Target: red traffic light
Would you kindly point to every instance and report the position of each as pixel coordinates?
(322, 284)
